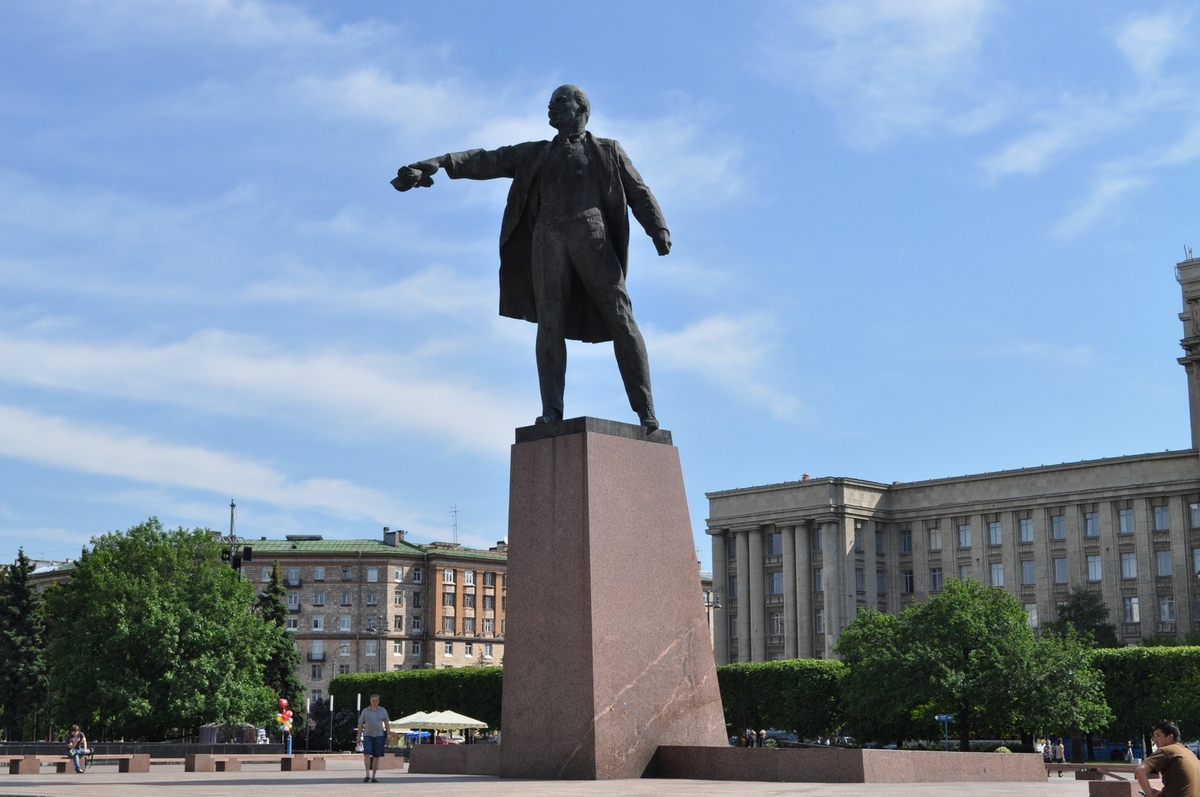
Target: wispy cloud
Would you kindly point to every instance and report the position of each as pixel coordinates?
(238, 375)
(728, 352)
(1101, 203)
(1148, 40)
(892, 66)
(58, 442)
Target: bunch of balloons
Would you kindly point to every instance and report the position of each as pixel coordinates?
(284, 717)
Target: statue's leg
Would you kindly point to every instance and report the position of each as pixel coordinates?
(599, 270)
(551, 285)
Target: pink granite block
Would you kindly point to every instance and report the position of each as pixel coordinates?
(607, 655)
(455, 759)
(1113, 788)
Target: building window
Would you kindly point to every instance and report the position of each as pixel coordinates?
(1196, 563)
(266, 575)
(293, 576)
(318, 672)
(318, 622)
(935, 579)
(1060, 570)
(468, 625)
(468, 649)
(489, 603)
(448, 624)
(878, 542)
(416, 625)
(448, 599)
(344, 622)
(964, 572)
(776, 623)
(1166, 608)
(820, 621)
(318, 573)
(775, 583)
(447, 576)
(487, 650)
(414, 647)
(733, 626)
(399, 573)
(1133, 612)
(880, 582)
(1026, 527)
(343, 669)
(1091, 524)
(775, 544)
(1194, 515)
(489, 579)
(1164, 563)
(816, 538)
(371, 649)
(372, 574)
(1094, 569)
(416, 575)
(994, 532)
(347, 574)
(997, 574)
(489, 625)
(1028, 572)
(1162, 518)
(468, 578)
(858, 544)
(1128, 565)
(1031, 611)
(293, 624)
(860, 580)
(964, 535)
(398, 597)
(371, 624)
(346, 599)
(733, 587)
(468, 600)
(906, 582)
(293, 600)
(818, 580)
(1125, 521)
(372, 598)
(398, 622)
(935, 539)
(447, 648)
(1058, 527)
(416, 600)
(318, 598)
(343, 648)
(398, 647)
(905, 540)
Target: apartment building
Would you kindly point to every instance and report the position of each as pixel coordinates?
(794, 562)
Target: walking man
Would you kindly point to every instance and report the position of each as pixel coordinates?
(564, 243)
(372, 735)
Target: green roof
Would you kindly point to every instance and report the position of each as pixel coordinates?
(366, 547)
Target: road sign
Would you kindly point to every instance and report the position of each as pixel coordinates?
(944, 718)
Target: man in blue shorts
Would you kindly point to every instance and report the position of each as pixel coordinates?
(372, 735)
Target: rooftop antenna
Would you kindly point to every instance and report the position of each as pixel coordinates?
(454, 517)
(1187, 250)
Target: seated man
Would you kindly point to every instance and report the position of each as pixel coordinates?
(1173, 762)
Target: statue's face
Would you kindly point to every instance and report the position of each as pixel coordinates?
(564, 109)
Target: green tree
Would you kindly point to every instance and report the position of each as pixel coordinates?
(153, 635)
(1086, 613)
(1063, 689)
(282, 656)
(22, 647)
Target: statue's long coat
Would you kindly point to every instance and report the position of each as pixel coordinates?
(621, 188)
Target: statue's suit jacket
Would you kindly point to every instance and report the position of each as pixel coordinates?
(621, 188)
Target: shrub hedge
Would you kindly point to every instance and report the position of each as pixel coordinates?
(797, 695)
(473, 691)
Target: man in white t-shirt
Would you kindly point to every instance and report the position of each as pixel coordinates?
(372, 735)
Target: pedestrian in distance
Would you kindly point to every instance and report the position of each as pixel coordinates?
(1060, 752)
(372, 735)
(1173, 762)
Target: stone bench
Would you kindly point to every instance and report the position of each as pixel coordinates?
(206, 762)
(126, 762)
(25, 765)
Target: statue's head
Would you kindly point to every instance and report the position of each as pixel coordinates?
(569, 108)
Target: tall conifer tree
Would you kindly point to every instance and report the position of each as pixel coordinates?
(22, 648)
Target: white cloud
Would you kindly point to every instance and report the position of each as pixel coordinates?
(728, 352)
(1147, 41)
(893, 65)
(1074, 123)
(222, 373)
(57, 442)
(1100, 204)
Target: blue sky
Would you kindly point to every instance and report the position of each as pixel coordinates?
(911, 240)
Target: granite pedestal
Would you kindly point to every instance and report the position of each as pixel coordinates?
(607, 653)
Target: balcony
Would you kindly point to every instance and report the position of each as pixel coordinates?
(293, 582)
(316, 656)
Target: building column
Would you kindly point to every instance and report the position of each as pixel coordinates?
(804, 591)
(720, 627)
(758, 612)
(789, 591)
(833, 542)
(742, 543)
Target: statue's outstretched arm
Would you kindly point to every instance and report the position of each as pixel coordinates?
(418, 174)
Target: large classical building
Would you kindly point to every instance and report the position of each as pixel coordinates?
(794, 563)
